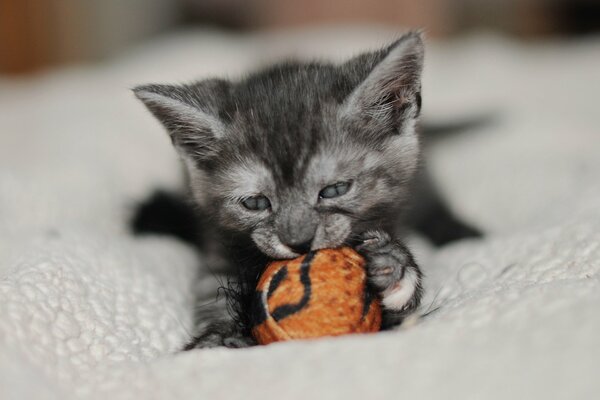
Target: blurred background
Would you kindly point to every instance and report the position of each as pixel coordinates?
(78, 153)
(35, 34)
(66, 67)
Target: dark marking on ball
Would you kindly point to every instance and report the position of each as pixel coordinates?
(368, 298)
(288, 309)
(276, 280)
(259, 312)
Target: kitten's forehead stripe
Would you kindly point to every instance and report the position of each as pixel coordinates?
(278, 114)
(286, 114)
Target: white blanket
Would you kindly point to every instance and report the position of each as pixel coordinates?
(88, 310)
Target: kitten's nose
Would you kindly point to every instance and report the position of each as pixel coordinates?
(300, 248)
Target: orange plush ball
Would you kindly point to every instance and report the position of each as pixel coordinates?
(322, 293)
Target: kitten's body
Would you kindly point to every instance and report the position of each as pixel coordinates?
(297, 158)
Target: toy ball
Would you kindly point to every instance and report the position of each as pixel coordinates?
(322, 293)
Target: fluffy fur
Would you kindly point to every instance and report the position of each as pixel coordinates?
(286, 133)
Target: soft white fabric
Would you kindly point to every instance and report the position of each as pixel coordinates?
(87, 310)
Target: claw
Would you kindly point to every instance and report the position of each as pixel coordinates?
(372, 240)
(381, 271)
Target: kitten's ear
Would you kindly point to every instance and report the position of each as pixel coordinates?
(194, 128)
(390, 93)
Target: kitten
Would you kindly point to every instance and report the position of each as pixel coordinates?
(300, 157)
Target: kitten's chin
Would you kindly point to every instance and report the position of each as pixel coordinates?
(281, 253)
(272, 247)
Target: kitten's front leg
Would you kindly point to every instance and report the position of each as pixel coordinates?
(392, 271)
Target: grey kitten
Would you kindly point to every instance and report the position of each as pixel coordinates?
(301, 157)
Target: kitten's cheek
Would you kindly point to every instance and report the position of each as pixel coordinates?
(233, 218)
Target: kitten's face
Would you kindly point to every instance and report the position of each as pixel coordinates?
(300, 157)
(333, 191)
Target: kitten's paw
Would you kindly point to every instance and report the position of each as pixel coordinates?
(385, 262)
(238, 342)
(391, 271)
(218, 335)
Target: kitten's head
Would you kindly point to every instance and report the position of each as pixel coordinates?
(300, 156)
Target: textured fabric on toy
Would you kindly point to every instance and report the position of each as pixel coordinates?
(88, 310)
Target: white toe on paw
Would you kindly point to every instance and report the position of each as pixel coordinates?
(396, 297)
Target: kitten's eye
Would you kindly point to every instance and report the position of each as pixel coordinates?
(256, 203)
(335, 190)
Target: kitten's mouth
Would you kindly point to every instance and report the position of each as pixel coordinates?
(280, 252)
(273, 248)
(343, 243)
(283, 252)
